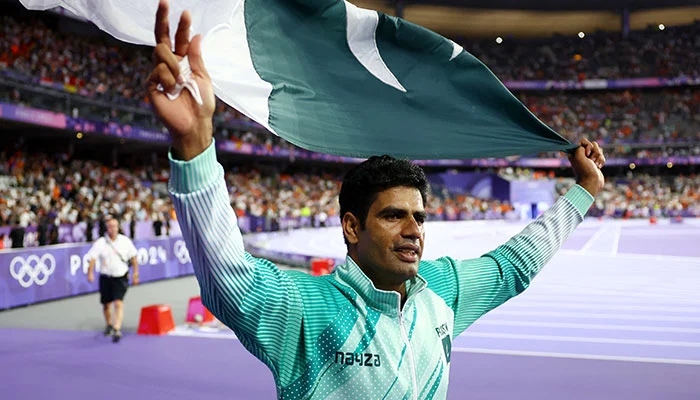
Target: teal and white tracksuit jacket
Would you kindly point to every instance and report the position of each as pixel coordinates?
(337, 336)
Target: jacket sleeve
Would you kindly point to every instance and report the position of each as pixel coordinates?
(258, 301)
(476, 286)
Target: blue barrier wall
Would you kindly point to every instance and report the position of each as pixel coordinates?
(38, 274)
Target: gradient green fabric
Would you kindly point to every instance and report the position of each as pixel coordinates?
(338, 336)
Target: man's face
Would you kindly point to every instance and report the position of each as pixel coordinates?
(390, 247)
(112, 228)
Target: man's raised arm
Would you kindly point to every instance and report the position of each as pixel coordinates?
(475, 286)
(252, 296)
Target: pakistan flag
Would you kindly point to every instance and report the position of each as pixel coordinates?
(334, 78)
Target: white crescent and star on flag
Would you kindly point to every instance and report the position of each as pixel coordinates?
(361, 35)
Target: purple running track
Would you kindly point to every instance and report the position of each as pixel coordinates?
(70, 365)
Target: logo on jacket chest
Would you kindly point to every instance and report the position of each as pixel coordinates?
(443, 332)
(359, 359)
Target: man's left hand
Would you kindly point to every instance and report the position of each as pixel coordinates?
(587, 161)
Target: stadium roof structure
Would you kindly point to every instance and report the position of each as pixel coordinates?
(559, 5)
(537, 18)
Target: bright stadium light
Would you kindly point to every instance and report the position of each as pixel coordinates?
(581, 35)
(499, 40)
(662, 27)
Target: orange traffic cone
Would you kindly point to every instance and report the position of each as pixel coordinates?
(156, 319)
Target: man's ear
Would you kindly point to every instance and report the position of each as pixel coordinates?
(351, 228)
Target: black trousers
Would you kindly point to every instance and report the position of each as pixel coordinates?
(113, 288)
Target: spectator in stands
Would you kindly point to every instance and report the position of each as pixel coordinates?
(117, 256)
(17, 234)
(42, 230)
(290, 320)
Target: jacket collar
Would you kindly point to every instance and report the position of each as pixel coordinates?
(388, 302)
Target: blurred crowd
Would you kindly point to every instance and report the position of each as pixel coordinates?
(274, 195)
(99, 69)
(646, 196)
(623, 118)
(99, 78)
(670, 53)
(45, 191)
(102, 78)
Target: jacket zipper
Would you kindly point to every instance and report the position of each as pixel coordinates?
(412, 360)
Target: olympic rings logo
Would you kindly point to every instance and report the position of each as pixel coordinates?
(181, 252)
(33, 269)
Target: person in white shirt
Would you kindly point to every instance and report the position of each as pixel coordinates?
(115, 253)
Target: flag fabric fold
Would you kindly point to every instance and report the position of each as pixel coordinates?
(338, 79)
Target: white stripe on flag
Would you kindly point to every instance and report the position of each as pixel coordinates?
(235, 80)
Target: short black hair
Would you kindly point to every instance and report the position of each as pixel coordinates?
(365, 181)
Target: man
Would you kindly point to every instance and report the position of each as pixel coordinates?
(17, 234)
(380, 326)
(115, 252)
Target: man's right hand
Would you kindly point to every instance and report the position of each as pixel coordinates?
(189, 123)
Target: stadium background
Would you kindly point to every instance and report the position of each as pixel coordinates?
(78, 141)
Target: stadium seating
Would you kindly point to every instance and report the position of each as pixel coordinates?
(101, 79)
